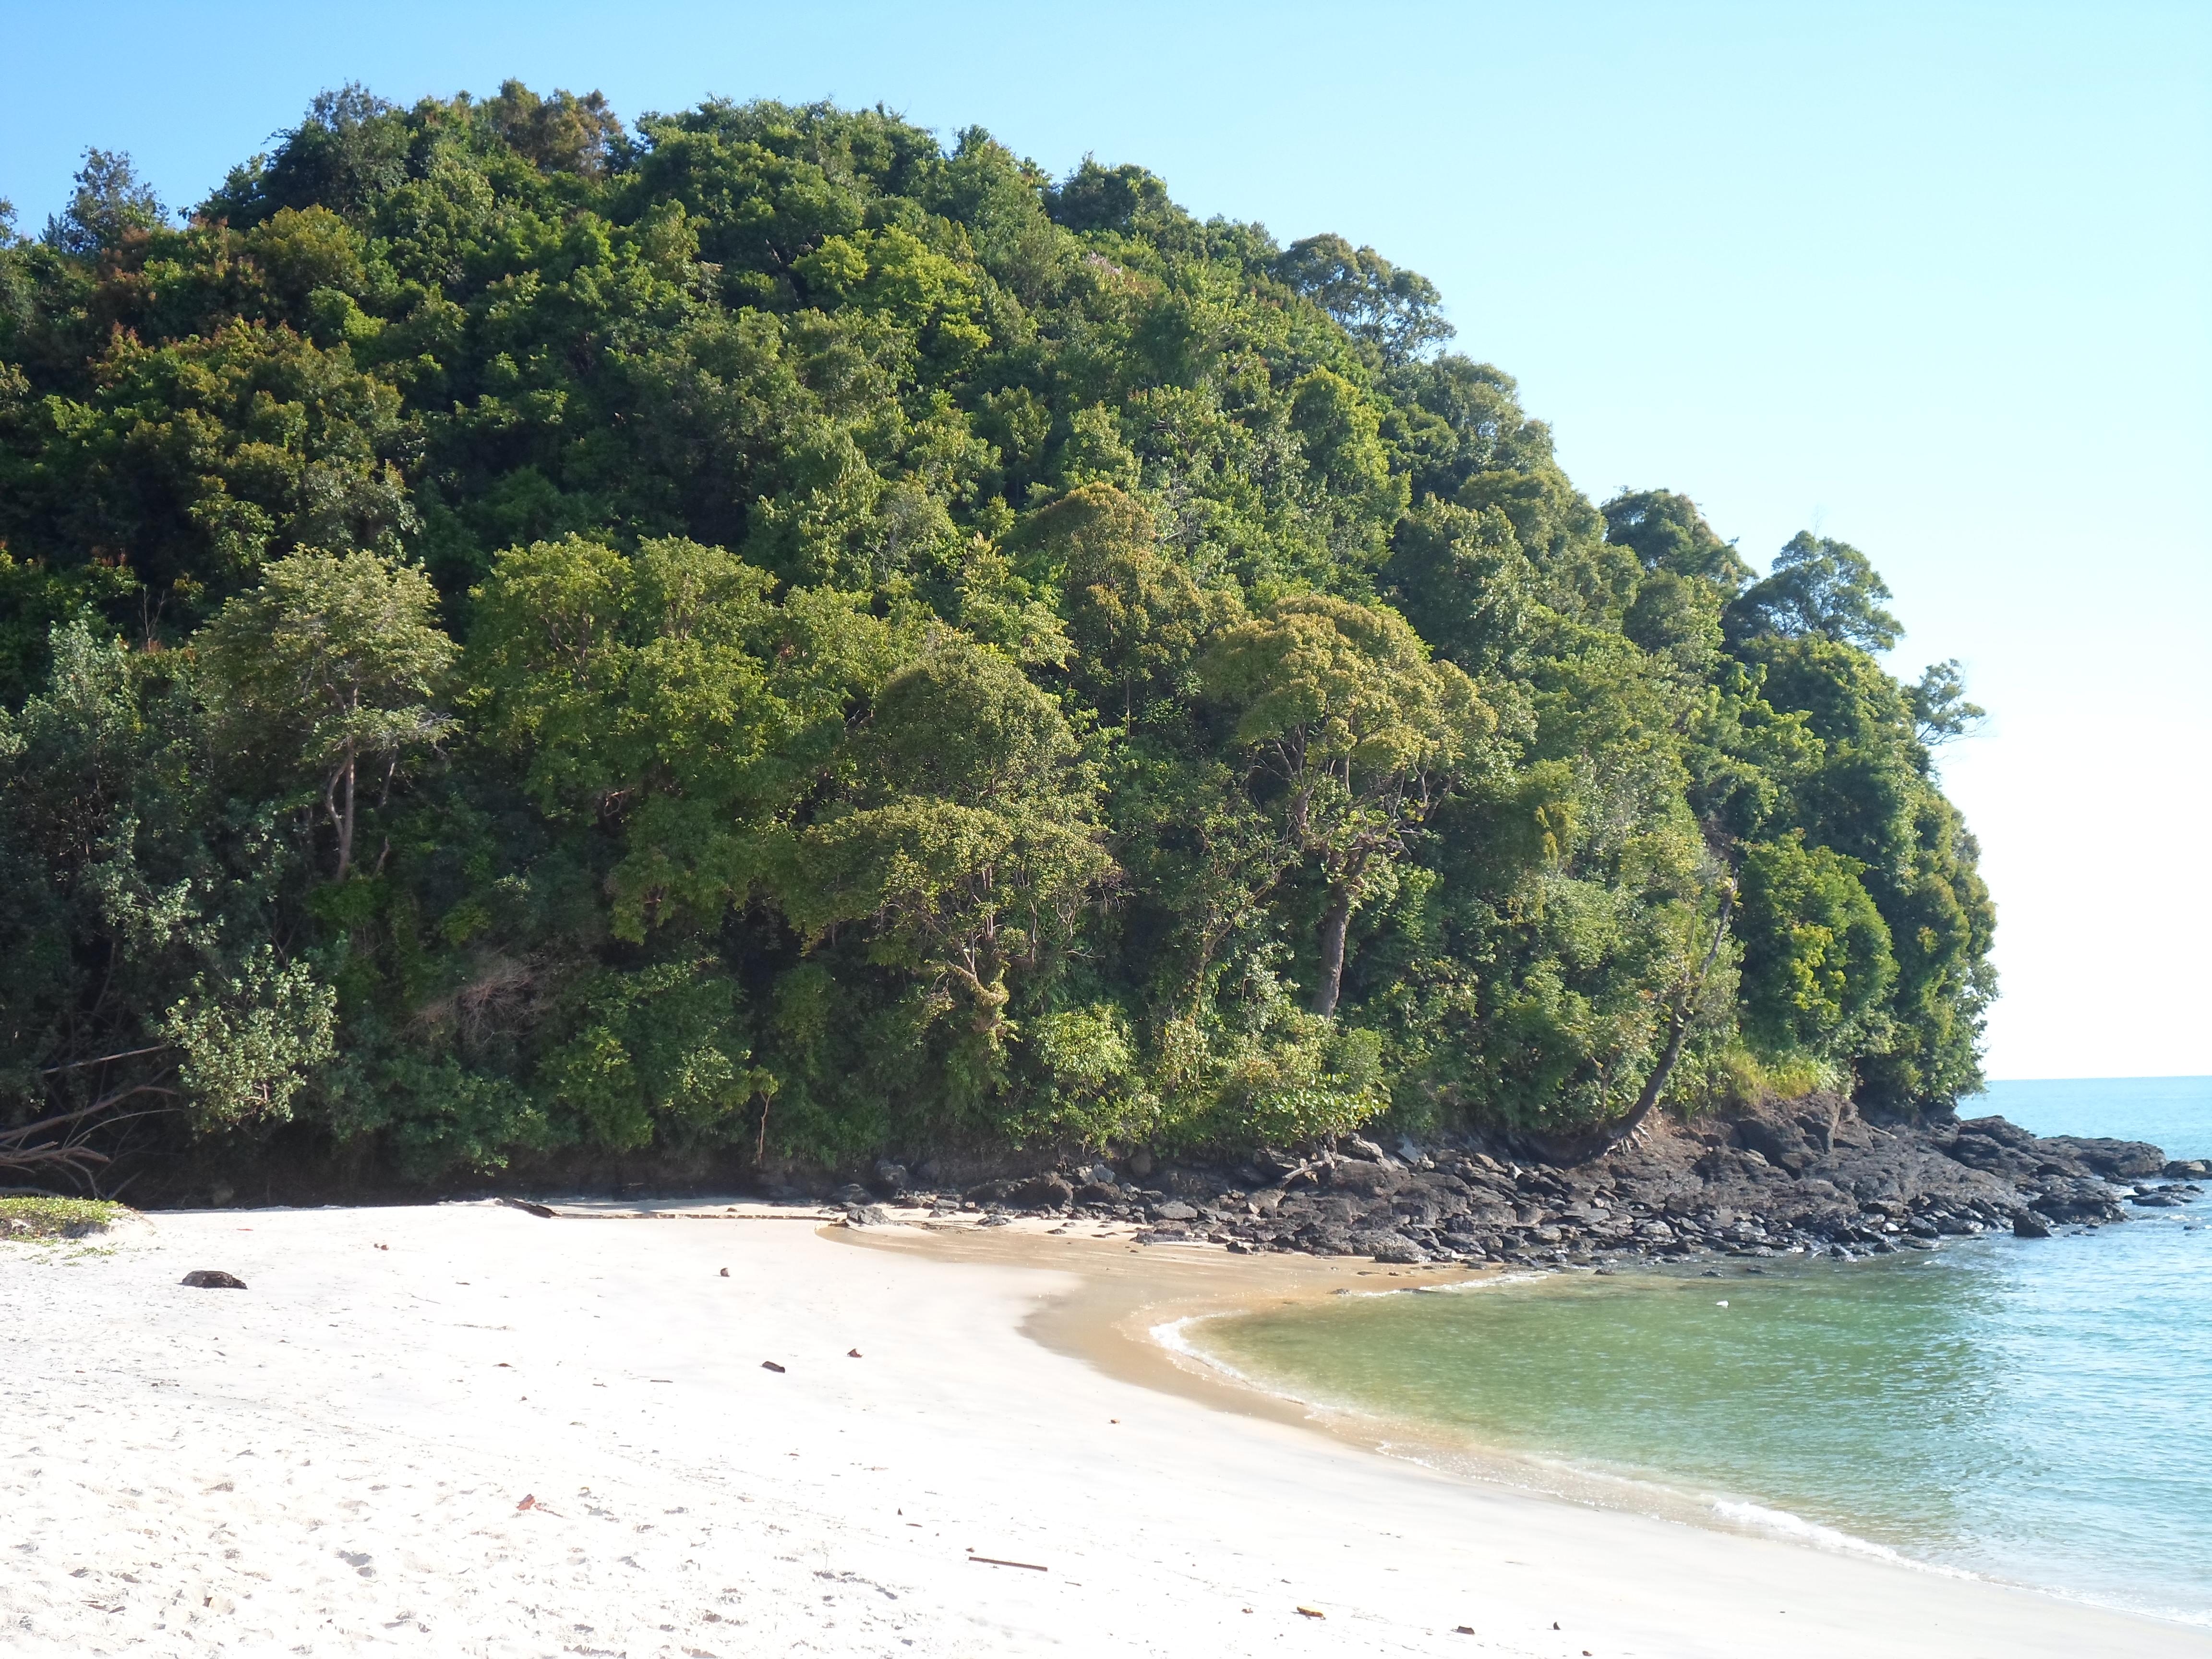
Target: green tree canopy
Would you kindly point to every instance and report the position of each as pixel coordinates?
(331, 665)
(945, 652)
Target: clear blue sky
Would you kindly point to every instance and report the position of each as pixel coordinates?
(1933, 278)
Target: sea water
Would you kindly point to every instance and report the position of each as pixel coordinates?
(2038, 1411)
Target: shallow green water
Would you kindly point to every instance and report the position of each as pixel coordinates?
(2035, 1412)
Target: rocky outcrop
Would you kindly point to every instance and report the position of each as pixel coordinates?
(1809, 1175)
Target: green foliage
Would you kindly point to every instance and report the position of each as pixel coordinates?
(969, 841)
(56, 1217)
(326, 668)
(1816, 955)
(1819, 588)
(110, 203)
(758, 632)
(146, 965)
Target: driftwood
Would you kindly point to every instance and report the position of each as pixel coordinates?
(63, 1141)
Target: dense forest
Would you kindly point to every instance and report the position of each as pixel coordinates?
(528, 642)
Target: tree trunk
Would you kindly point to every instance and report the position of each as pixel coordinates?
(1678, 1034)
(1333, 922)
(345, 822)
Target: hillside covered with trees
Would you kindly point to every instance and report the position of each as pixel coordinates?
(759, 635)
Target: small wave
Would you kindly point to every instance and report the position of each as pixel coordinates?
(1782, 1524)
(1458, 1286)
(1171, 1336)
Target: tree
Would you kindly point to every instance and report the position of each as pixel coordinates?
(873, 557)
(111, 202)
(1818, 588)
(334, 662)
(1393, 310)
(191, 462)
(563, 133)
(1816, 952)
(971, 844)
(1940, 709)
(663, 698)
(351, 148)
(1137, 619)
(1343, 708)
(142, 968)
(1098, 197)
(1668, 532)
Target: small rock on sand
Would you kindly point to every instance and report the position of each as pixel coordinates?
(213, 1279)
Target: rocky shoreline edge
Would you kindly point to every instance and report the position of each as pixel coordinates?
(1806, 1177)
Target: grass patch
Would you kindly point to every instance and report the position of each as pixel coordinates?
(55, 1217)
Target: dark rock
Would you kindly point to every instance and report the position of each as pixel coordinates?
(2003, 1131)
(2064, 1197)
(891, 1179)
(522, 1204)
(1324, 1238)
(1811, 1176)
(1042, 1193)
(1363, 1176)
(1985, 1152)
(2115, 1159)
(1390, 1249)
(852, 1196)
(213, 1279)
(1782, 1144)
(2029, 1225)
(2187, 1168)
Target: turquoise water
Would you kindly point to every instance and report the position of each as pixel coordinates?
(2031, 1411)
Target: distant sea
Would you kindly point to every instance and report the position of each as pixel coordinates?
(2034, 1411)
(2172, 1112)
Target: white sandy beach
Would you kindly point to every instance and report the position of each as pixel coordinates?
(337, 1460)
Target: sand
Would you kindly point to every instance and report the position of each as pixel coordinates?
(463, 1430)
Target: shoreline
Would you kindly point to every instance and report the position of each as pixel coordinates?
(1117, 1318)
(461, 1428)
